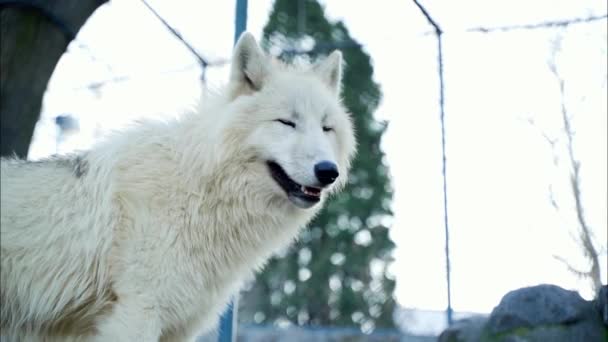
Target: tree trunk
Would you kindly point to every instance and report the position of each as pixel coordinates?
(30, 47)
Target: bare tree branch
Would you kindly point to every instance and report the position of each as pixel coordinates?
(574, 270)
(585, 233)
(551, 141)
(543, 25)
(124, 78)
(552, 199)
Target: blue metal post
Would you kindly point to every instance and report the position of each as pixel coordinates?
(227, 331)
(241, 19)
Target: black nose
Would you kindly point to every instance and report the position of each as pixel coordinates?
(326, 172)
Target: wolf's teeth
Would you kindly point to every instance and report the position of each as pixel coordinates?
(310, 192)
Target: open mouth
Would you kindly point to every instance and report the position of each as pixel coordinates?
(301, 195)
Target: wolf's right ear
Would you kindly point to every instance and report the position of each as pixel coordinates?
(250, 66)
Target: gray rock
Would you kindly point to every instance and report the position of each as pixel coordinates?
(534, 306)
(536, 314)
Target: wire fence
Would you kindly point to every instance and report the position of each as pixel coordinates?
(226, 332)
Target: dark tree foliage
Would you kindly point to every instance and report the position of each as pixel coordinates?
(336, 274)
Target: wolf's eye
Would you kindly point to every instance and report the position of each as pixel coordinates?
(287, 123)
(327, 129)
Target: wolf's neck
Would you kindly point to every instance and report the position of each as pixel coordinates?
(245, 225)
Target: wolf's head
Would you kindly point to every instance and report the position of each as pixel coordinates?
(301, 137)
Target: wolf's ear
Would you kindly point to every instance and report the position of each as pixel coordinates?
(330, 71)
(250, 65)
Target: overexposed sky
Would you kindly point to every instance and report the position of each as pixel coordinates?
(504, 232)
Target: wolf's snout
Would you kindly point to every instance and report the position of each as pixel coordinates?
(326, 172)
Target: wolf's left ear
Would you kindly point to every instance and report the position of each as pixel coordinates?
(330, 71)
(249, 63)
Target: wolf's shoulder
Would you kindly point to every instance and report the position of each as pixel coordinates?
(75, 163)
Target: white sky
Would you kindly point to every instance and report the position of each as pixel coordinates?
(504, 232)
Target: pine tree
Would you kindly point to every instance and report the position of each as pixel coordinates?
(336, 274)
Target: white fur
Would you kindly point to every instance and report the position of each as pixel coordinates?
(146, 236)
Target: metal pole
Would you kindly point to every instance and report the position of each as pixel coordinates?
(438, 34)
(241, 19)
(445, 181)
(228, 322)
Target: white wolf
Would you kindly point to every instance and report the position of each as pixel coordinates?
(146, 236)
